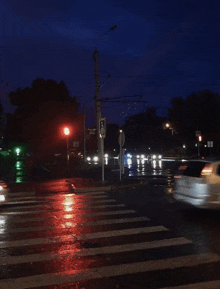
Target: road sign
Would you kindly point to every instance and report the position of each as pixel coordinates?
(102, 127)
(210, 144)
(121, 139)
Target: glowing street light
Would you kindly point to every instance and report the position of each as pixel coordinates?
(67, 132)
(169, 127)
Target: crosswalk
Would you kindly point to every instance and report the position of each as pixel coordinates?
(89, 240)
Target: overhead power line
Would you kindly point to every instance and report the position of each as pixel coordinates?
(119, 99)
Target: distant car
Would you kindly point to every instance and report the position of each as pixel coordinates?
(3, 192)
(197, 183)
(155, 157)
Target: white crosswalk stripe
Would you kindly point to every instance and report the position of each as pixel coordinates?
(116, 233)
(48, 208)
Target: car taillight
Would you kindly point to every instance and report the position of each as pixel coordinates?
(3, 186)
(177, 177)
(206, 171)
(182, 168)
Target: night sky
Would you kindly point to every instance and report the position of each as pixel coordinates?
(160, 49)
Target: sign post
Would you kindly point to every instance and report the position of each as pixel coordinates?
(199, 136)
(121, 141)
(102, 130)
(210, 145)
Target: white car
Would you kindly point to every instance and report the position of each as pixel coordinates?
(198, 183)
(3, 192)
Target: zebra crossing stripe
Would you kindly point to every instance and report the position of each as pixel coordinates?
(9, 260)
(107, 271)
(103, 222)
(57, 198)
(54, 199)
(66, 216)
(124, 232)
(18, 201)
(77, 193)
(27, 242)
(11, 195)
(47, 206)
(89, 236)
(119, 212)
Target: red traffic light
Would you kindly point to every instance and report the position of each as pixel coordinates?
(66, 131)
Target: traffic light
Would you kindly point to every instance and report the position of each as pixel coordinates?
(18, 150)
(66, 131)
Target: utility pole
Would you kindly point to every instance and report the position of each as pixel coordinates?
(97, 91)
(97, 99)
(84, 136)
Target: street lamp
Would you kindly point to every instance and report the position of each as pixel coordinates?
(169, 126)
(67, 132)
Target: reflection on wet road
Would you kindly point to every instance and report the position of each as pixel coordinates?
(52, 237)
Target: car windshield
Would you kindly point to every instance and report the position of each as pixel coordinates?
(194, 169)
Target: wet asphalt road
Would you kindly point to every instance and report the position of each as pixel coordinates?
(53, 237)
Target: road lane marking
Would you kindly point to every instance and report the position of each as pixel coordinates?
(107, 271)
(66, 215)
(36, 241)
(9, 260)
(46, 206)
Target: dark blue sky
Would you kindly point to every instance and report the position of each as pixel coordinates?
(160, 49)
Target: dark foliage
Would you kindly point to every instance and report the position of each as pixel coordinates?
(200, 111)
(42, 111)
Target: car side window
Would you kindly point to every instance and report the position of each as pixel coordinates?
(194, 169)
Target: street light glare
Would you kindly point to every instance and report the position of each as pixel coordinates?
(66, 131)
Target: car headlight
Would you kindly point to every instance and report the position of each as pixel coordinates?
(95, 159)
(2, 198)
(154, 157)
(88, 159)
(160, 157)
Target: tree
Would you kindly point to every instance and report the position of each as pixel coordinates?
(112, 134)
(2, 122)
(200, 111)
(41, 110)
(144, 129)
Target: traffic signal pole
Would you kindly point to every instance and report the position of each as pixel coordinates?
(97, 90)
(97, 99)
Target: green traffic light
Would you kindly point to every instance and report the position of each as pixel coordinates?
(18, 151)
